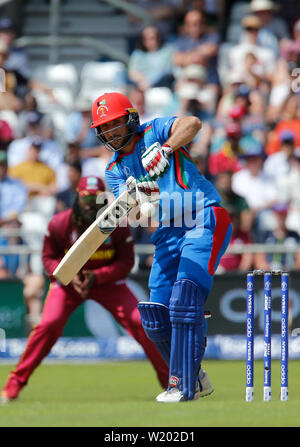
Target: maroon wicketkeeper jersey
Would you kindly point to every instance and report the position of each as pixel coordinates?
(111, 262)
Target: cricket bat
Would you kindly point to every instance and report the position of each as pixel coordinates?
(93, 238)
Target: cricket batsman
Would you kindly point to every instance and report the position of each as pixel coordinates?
(193, 233)
(101, 279)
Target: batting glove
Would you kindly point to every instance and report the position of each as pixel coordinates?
(156, 160)
(146, 189)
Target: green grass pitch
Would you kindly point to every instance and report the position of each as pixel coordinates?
(121, 394)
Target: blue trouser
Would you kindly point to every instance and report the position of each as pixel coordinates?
(193, 254)
(180, 280)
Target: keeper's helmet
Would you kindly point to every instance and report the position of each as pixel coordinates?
(111, 106)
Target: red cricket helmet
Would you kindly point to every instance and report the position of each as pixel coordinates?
(109, 107)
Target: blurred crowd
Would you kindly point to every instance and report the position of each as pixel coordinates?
(236, 69)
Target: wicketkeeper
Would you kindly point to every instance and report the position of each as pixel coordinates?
(101, 279)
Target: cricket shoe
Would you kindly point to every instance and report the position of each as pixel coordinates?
(11, 391)
(203, 388)
(170, 396)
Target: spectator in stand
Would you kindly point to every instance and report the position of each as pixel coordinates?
(291, 108)
(233, 202)
(200, 149)
(279, 236)
(51, 151)
(150, 64)
(197, 46)
(17, 60)
(13, 197)
(38, 178)
(290, 48)
(213, 11)
(245, 109)
(232, 262)
(288, 193)
(89, 166)
(17, 73)
(10, 265)
(30, 105)
(233, 80)
(280, 163)
(9, 84)
(271, 23)
(264, 57)
(288, 120)
(72, 154)
(254, 75)
(192, 95)
(78, 128)
(92, 155)
(163, 13)
(266, 37)
(227, 157)
(65, 199)
(200, 160)
(6, 135)
(256, 187)
(137, 98)
(285, 77)
(250, 102)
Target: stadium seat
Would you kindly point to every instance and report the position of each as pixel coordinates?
(60, 75)
(103, 75)
(59, 118)
(223, 61)
(64, 97)
(11, 118)
(157, 98)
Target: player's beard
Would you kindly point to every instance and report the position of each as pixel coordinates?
(119, 142)
(89, 215)
(84, 217)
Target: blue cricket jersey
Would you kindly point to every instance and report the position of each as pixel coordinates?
(182, 189)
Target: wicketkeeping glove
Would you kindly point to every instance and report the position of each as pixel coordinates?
(146, 189)
(156, 160)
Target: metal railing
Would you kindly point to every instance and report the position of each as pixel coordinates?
(26, 250)
(134, 10)
(55, 41)
(139, 248)
(236, 249)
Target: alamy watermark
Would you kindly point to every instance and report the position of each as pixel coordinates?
(2, 340)
(2, 81)
(295, 84)
(177, 210)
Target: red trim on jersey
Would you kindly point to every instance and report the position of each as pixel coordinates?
(185, 152)
(222, 224)
(178, 173)
(139, 136)
(112, 165)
